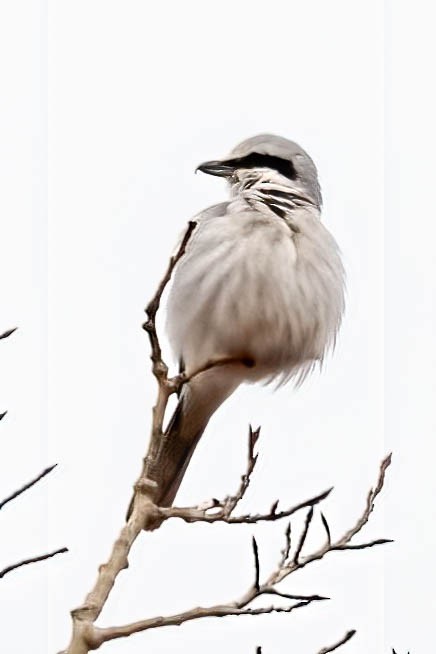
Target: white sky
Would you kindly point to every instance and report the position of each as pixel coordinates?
(98, 151)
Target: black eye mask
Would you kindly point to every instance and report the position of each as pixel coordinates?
(256, 160)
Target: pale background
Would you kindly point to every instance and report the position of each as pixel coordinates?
(98, 150)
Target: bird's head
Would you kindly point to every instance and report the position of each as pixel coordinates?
(273, 153)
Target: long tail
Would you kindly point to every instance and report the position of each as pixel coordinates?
(198, 401)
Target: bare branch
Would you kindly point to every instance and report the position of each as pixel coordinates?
(27, 486)
(8, 333)
(102, 635)
(256, 565)
(2, 415)
(223, 509)
(370, 500)
(287, 548)
(342, 543)
(160, 370)
(303, 535)
(199, 514)
(178, 381)
(88, 636)
(326, 527)
(348, 636)
(231, 502)
(292, 596)
(145, 514)
(148, 481)
(34, 559)
(362, 546)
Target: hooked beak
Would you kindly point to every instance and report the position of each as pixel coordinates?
(217, 168)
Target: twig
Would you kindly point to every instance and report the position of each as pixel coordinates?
(160, 370)
(303, 535)
(87, 636)
(144, 512)
(348, 636)
(287, 548)
(146, 515)
(184, 377)
(221, 610)
(27, 486)
(148, 481)
(256, 565)
(223, 509)
(342, 543)
(8, 332)
(201, 514)
(34, 559)
(326, 527)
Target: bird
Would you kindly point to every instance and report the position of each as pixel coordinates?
(259, 290)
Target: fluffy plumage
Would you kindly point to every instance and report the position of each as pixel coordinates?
(261, 280)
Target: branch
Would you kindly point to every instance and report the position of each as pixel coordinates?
(144, 514)
(160, 369)
(34, 559)
(342, 543)
(27, 486)
(218, 611)
(287, 548)
(8, 333)
(303, 536)
(222, 510)
(348, 636)
(88, 636)
(256, 584)
(148, 481)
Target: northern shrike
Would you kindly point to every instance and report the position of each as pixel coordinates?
(261, 283)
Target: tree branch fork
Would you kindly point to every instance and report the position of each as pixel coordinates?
(87, 636)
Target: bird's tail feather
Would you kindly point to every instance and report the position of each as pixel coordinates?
(198, 400)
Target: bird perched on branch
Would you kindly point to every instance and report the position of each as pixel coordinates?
(260, 289)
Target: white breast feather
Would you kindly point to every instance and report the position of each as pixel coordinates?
(249, 286)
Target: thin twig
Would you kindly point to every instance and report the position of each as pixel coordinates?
(256, 564)
(223, 509)
(361, 546)
(348, 636)
(146, 515)
(148, 481)
(2, 415)
(102, 635)
(8, 332)
(88, 636)
(27, 486)
(143, 512)
(231, 502)
(34, 559)
(292, 596)
(326, 527)
(160, 370)
(287, 548)
(185, 377)
(303, 535)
